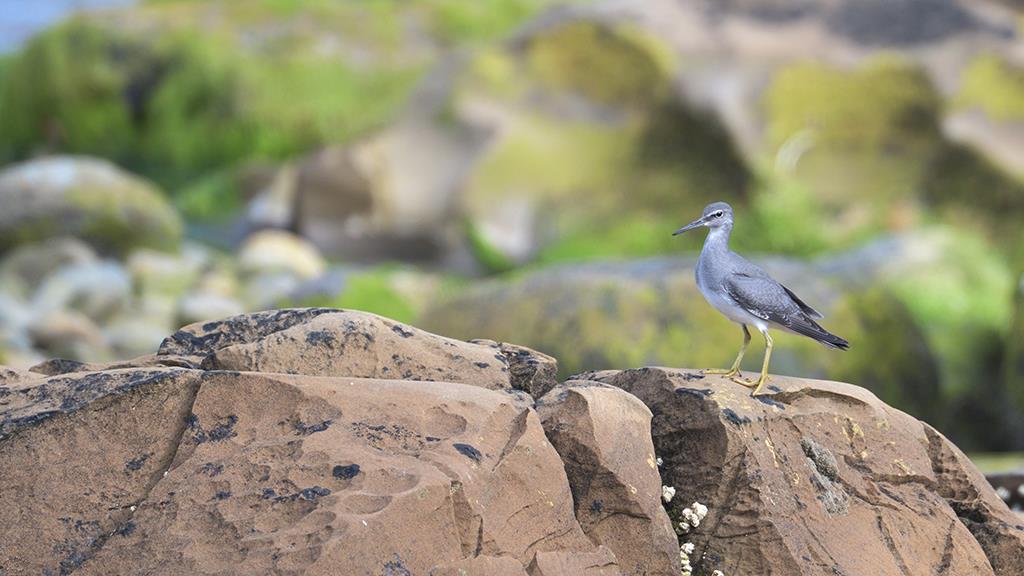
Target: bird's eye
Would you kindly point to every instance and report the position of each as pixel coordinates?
(718, 214)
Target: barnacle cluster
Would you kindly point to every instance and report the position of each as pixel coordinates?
(683, 522)
(691, 518)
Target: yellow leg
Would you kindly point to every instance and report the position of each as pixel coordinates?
(764, 367)
(735, 370)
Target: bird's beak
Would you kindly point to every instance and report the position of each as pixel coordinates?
(695, 224)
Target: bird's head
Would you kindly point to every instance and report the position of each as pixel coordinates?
(715, 215)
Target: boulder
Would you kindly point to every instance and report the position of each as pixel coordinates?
(819, 478)
(330, 342)
(328, 476)
(593, 89)
(271, 251)
(96, 289)
(69, 334)
(146, 466)
(603, 435)
(87, 198)
(24, 268)
(78, 453)
(163, 273)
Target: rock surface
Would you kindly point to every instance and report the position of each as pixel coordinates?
(180, 467)
(340, 476)
(820, 478)
(603, 435)
(329, 342)
(209, 457)
(77, 454)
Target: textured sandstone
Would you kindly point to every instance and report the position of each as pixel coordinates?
(339, 476)
(77, 452)
(598, 563)
(820, 478)
(603, 435)
(328, 342)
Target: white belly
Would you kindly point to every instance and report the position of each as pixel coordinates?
(730, 309)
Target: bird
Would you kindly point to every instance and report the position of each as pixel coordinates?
(747, 295)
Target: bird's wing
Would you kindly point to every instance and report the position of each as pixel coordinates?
(771, 301)
(747, 268)
(803, 305)
(762, 297)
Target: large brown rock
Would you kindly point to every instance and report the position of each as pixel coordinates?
(78, 453)
(820, 478)
(603, 435)
(190, 461)
(309, 475)
(329, 342)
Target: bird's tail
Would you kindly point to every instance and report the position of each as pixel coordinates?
(812, 329)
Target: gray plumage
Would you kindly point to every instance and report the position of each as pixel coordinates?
(745, 293)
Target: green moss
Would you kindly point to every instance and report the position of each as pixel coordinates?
(994, 85)
(962, 178)
(496, 73)
(456, 21)
(180, 103)
(685, 157)
(631, 236)
(963, 304)
(1014, 372)
(492, 259)
(617, 191)
(522, 163)
(117, 222)
(63, 88)
(301, 103)
(373, 293)
(210, 197)
(884, 334)
(653, 314)
(610, 65)
(784, 218)
(887, 105)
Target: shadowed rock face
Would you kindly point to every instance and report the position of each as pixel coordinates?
(603, 435)
(820, 478)
(208, 457)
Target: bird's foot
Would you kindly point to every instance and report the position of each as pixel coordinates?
(728, 373)
(759, 384)
(743, 381)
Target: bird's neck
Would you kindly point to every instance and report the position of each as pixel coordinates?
(717, 240)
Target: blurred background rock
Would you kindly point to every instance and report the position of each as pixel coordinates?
(512, 169)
